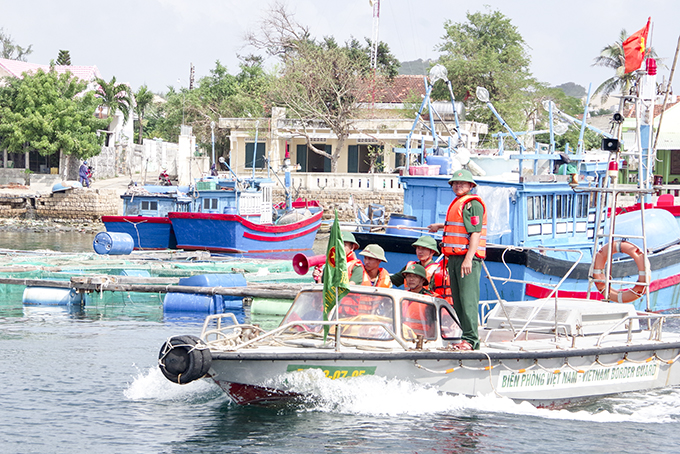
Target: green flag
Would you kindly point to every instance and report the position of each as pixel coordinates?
(335, 279)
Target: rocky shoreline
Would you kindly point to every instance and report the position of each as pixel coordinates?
(49, 225)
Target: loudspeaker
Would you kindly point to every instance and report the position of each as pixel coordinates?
(610, 144)
(302, 263)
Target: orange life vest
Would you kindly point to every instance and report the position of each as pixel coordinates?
(456, 238)
(382, 280)
(429, 270)
(442, 283)
(353, 261)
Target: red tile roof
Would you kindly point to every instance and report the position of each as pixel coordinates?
(629, 112)
(394, 92)
(17, 68)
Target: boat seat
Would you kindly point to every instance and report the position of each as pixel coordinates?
(665, 200)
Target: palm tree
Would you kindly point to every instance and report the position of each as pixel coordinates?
(612, 56)
(116, 97)
(143, 99)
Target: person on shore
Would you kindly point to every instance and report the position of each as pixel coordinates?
(464, 245)
(83, 173)
(375, 276)
(355, 269)
(426, 248)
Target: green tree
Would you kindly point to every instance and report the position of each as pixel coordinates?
(488, 51)
(143, 99)
(115, 97)
(64, 58)
(319, 82)
(12, 51)
(219, 94)
(613, 57)
(49, 112)
(570, 105)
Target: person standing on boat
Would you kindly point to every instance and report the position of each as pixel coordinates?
(83, 173)
(464, 245)
(426, 248)
(375, 276)
(355, 269)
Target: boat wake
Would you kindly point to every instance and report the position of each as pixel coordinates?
(152, 385)
(378, 396)
(372, 395)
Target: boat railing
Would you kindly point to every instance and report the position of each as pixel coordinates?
(655, 330)
(553, 292)
(236, 340)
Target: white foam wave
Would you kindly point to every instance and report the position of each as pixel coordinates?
(153, 385)
(371, 395)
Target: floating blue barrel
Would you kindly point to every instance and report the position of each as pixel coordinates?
(49, 296)
(402, 220)
(113, 243)
(199, 304)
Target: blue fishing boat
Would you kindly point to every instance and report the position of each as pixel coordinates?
(242, 221)
(549, 228)
(145, 215)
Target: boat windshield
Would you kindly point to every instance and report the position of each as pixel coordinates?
(419, 318)
(354, 307)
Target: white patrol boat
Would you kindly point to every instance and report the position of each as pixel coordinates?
(549, 352)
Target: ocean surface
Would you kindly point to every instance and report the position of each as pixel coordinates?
(88, 380)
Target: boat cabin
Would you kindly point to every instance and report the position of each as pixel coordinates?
(156, 201)
(249, 198)
(378, 314)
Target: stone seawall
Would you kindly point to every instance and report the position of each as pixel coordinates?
(91, 204)
(72, 205)
(79, 204)
(346, 202)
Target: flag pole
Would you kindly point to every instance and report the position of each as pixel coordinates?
(337, 319)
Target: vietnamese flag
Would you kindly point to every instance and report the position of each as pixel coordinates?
(634, 48)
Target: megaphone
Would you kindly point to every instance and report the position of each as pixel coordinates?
(302, 263)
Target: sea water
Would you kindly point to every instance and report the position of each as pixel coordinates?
(89, 380)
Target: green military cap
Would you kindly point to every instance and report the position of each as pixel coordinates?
(417, 269)
(347, 237)
(374, 251)
(462, 175)
(427, 241)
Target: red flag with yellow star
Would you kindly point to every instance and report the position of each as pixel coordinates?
(634, 48)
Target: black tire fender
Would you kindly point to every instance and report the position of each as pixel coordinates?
(183, 359)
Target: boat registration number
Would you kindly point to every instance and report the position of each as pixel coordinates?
(334, 372)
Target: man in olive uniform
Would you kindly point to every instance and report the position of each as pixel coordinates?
(415, 278)
(464, 244)
(426, 248)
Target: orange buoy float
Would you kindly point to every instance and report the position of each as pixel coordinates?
(636, 254)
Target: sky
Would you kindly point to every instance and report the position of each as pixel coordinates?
(154, 42)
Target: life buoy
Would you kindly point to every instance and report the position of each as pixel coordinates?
(636, 254)
(183, 359)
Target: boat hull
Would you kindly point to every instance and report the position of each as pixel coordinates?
(230, 233)
(147, 232)
(546, 378)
